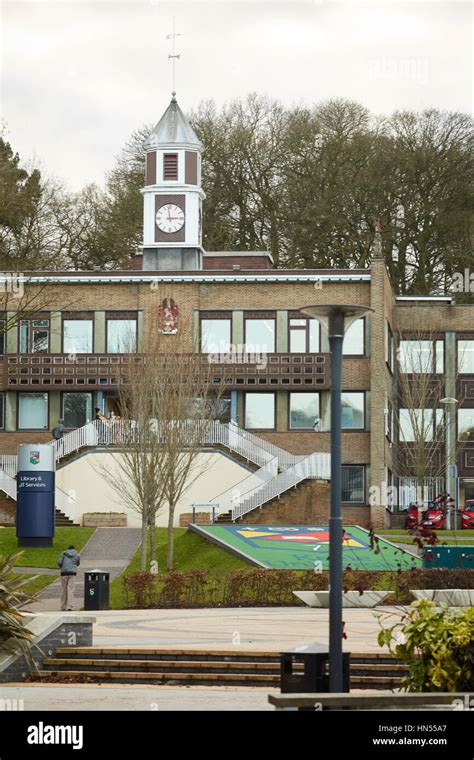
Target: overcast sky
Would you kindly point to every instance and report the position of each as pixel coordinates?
(78, 77)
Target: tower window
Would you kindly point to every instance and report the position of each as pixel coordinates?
(170, 166)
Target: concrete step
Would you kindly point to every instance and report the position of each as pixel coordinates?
(202, 667)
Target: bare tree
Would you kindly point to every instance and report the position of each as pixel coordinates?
(166, 414)
(419, 415)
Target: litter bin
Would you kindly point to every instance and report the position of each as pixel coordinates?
(305, 670)
(96, 590)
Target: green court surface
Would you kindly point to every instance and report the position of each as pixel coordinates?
(304, 547)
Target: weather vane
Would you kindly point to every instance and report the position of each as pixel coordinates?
(173, 55)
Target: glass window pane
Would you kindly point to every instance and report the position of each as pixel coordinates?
(298, 341)
(260, 410)
(24, 333)
(215, 336)
(40, 341)
(352, 410)
(77, 409)
(77, 336)
(416, 356)
(33, 411)
(439, 356)
(354, 339)
(304, 411)
(418, 424)
(260, 336)
(2, 410)
(2, 336)
(353, 484)
(466, 424)
(297, 322)
(121, 336)
(314, 336)
(466, 356)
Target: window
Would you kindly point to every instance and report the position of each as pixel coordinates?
(77, 336)
(32, 411)
(260, 411)
(77, 409)
(466, 357)
(421, 356)
(215, 336)
(419, 424)
(170, 166)
(305, 411)
(34, 336)
(389, 347)
(2, 410)
(389, 419)
(353, 410)
(260, 336)
(353, 486)
(121, 336)
(304, 336)
(466, 424)
(353, 344)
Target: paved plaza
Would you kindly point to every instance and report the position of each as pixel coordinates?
(273, 629)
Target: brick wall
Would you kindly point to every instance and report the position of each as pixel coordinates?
(7, 510)
(9, 441)
(304, 505)
(355, 445)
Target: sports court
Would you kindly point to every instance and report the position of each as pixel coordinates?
(303, 547)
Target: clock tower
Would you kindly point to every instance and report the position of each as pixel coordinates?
(172, 196)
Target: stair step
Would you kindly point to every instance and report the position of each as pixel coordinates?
(103, 675)
(159, 665)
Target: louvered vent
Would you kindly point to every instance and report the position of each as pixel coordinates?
(170, 166)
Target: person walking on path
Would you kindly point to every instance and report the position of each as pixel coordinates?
(69, 561)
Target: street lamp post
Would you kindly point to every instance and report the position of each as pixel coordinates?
(336, 319)
(450, 404)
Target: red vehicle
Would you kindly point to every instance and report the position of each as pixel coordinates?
(467, 515)
(433, 517)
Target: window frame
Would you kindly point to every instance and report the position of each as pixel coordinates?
(356, 429)
(364, 485)
(306, 328)
(21, 394)
(256, 317)
(119, 318)
(218, 317)
(78, 319)
(304, 393)
(364, 346)
(264, 393)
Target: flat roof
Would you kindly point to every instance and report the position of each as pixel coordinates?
(251, 275)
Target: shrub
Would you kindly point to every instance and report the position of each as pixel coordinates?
(141, 586)
(436, 644)
(14, 635)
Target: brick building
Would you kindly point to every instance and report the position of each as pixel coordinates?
(63, 359)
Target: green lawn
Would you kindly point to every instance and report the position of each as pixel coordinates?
(38, 584)
(190, 552)
(47, 557)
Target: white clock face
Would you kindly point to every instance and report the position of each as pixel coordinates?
(169, 218)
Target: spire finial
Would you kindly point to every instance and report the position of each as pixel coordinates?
(173, 56)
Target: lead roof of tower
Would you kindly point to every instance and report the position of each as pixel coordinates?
(173, 129)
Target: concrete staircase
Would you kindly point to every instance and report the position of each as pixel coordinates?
(180, 667)
(63, 521)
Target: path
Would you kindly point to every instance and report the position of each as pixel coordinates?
(109, 550)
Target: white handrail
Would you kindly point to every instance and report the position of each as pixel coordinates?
(278, 468)
(312, 466)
